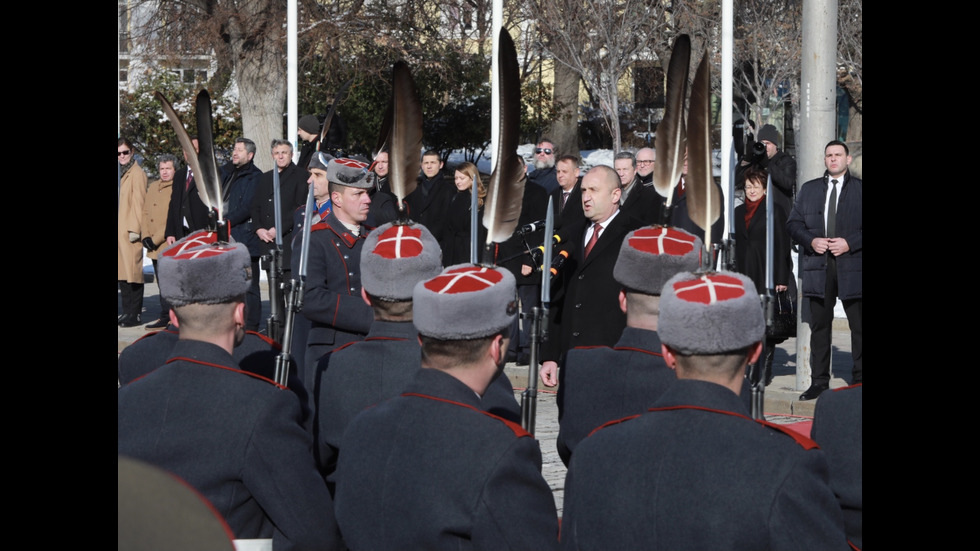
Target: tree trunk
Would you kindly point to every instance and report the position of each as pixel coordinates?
(260, 71)
(564, 129)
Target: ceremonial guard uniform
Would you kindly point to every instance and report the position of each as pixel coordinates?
(838, 424)
(429, 469)
(364, 373)
(236, 437)
(695, 471)
(332, 295)
(610, 383)
(332, 298)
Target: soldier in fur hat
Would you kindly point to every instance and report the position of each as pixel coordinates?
(695, 459)
(332, 297)
(440, 470)
(236, 437)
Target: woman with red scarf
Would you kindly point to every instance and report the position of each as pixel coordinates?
(750, 246)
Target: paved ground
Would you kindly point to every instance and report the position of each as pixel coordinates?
(782, 403)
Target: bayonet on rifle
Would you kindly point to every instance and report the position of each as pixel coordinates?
(539, 326)
(294, 304)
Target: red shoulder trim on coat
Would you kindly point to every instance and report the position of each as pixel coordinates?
(803, 441)
(613, 422)
(269, 341)
(226, 368)
(517, 429)
(855, 385)
(631, 349)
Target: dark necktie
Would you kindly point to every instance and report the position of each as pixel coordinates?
(564, 197)
(832, 211)
(595, 237)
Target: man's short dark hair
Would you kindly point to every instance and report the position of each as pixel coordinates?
(570, 159)
(249, 144)
(277, 142)
(431, 153)
(167, 158)
(840, 143)
(626, 155)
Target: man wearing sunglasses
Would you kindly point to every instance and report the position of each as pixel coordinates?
(544, 166)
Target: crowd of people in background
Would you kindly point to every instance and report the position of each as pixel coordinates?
(400, 430)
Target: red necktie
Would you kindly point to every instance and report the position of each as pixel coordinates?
(187, 184)
(595, 237)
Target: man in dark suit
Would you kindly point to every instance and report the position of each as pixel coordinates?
(567, 199)
(686, 473)
(826, 223)
(429, 203)
(440, 471)
(584, 309)
(236, 437)
(292, 195)
(186, 213)
(637, 200)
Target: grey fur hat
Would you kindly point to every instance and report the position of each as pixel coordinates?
(349, 172)
(769, 134)
(309, 123)
(397, 256)
(320, 160)
(710, 313)
(465, 302)
(651, 255)
(209, 274)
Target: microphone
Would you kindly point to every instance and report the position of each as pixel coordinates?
(528, 228)
(558, 262)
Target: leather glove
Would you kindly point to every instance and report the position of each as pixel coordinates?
(148, 243)
(133, 237)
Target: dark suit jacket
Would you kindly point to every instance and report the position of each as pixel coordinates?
(642, 203)
(430, 209)
(585, 304)
(806, 221)
(293, 191)
(573, 205)
(185, 204)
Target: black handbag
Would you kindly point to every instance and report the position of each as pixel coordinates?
(783, 317)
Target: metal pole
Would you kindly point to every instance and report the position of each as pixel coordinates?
(291, 85)
(818, 88)
(727, 47)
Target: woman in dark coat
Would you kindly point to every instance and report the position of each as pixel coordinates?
(456, 241)
(750, 246)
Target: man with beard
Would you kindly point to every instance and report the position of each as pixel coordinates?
(239, 179)
(544, 166)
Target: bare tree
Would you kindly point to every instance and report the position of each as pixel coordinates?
(248, 38)
(599, 40)
(768, 44)
(849, 62)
